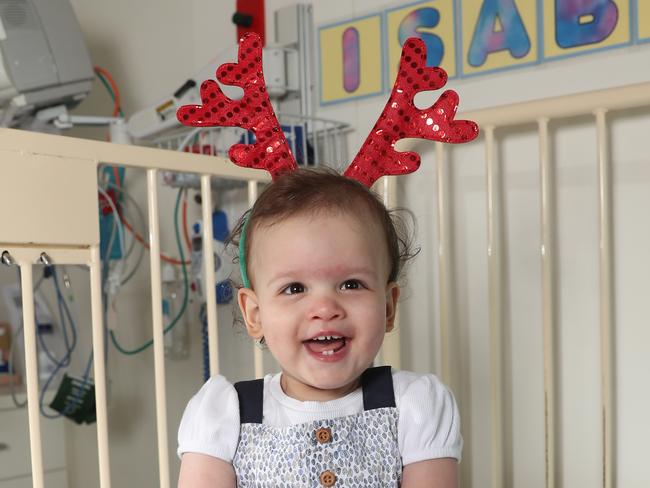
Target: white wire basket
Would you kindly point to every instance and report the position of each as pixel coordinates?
(313, 141)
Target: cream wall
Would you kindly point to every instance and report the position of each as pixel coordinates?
(150, 46)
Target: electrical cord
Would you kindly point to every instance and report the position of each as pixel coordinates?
(186, 234)
(140, 214)
(147, 344)
(114, 281)
(141, 240)
(64, 311)
(65, 361)
(71, 403)
(107, 80)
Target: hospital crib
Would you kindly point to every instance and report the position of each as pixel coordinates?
(41, 226)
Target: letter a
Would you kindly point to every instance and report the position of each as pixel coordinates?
(498, 28)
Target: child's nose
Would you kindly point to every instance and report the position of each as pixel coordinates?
(326, 308)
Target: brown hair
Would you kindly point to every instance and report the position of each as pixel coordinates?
(306, 191)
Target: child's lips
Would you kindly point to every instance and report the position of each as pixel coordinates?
(327, 350)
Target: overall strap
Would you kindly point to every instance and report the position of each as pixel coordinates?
(251, 401)
(377, 384)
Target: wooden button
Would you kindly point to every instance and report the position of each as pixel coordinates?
(327, 478)
(323, 435)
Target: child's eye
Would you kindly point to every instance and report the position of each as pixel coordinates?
(351, 285)
(293, 288)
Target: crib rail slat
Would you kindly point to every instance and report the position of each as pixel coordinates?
(494, 199)
(548, 298)
(99, 365)
(31, 370)
(208, 270)
(258, 357)
(390, 350)
(158, 334)
(606, 295)
(444, 264)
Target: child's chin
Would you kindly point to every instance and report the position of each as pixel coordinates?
(341, 383)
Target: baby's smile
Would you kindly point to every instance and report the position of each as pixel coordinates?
(327, 346)
(322, 303)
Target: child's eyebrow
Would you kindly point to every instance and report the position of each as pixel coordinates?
(319, 272)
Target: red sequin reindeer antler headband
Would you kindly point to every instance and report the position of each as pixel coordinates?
(377, 157)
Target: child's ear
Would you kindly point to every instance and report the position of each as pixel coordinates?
(250, 309)
(392, 295)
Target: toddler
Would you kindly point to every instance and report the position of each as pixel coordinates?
(322, 257)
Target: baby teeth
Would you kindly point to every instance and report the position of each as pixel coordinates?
(327, 353)
(327, 338)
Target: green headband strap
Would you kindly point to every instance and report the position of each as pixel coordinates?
(242, 253)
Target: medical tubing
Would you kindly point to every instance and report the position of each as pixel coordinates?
(65, 361)
(132, 272)
(107, 79)
(185, 294)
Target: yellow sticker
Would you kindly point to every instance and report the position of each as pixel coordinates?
(498, 34)
(351, 60)
(595, 25)
(433, 21)
(166, 110)
(643, 19)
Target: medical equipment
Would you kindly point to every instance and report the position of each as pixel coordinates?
(43, 59)
(161, 116)
(177, 339)
(49, 333)
(288, 68)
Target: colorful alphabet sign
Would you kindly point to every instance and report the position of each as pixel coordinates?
(643, 19)
(431, 21)
(573, 26)
(498, 34)
(472, 37)
(352, 52)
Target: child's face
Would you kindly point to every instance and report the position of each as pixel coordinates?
(320, 276)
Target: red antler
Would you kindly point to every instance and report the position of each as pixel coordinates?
(401, 119)
(253, 111)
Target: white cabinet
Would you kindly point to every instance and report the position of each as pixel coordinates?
(15, 460)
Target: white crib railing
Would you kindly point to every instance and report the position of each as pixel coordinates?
(41, 225)
(597, 103)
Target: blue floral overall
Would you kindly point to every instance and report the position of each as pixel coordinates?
(357, 451)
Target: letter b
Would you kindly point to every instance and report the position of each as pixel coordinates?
(580, 22)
